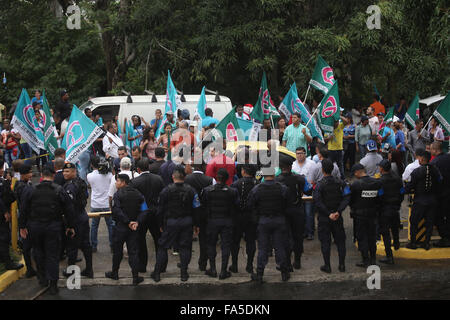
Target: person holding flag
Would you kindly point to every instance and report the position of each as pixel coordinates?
(240, 114)
(296, 135)
(170, 108)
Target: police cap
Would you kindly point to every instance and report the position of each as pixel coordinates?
(69, 166)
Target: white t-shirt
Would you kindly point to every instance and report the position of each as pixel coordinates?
(307, 167)
(112, 186)
(112, 148)
(406, 176)
(374, 124)
(99, 189)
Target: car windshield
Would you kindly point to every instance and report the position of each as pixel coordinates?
(85, 105)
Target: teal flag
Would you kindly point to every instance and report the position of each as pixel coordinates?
(50, 142)
(24, 121)
(249, 129)
(263, 108)
(80, 134)
(171, 103)
(323, 76)
(201, 106)
(228, 128)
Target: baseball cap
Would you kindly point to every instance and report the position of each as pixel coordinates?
(385, 164)
(185, 114)
(62, 92)
(357, 167)
(169, 112)
(364, 118)
(371, 145)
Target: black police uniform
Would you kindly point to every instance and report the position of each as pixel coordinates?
(177, 209)
(425, 183)
(331, 195)
(81, 240)
(364, 204)
(150, 186)
(127, 207)
(198, 180)
(389, 215)
(42, 209)
(442, 162)
(269, 200)
(295, 214)
(6, 199)
(19, 190)
(220, 203)
(243, 224)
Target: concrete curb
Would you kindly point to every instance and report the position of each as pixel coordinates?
(418, 254)
(11, 276)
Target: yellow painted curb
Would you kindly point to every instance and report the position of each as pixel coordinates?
(418, 254)
(11, 276)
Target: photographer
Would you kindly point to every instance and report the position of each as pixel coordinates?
(99, 180)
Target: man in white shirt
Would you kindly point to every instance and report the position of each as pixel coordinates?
(125, 168)
(111, 141)
(315, 174)
(303, 164)
(373, 120)
(406, 176)
(240, 113)
(99, 180)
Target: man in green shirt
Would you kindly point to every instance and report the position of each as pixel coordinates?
(296, 135)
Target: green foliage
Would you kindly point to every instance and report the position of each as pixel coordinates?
(226, 45)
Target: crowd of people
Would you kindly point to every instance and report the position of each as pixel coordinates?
(148, 185)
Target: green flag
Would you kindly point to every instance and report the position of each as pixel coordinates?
(263, 106)
(329, 109)
(389, 115)
(229, 128)
(50, 142)
(323, 76)
(413, 112)
(442, 113)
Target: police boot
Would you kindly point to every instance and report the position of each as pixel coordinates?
(234, 264)
(426, 245)
(364, 263)
(373, 261)
(112, 275)
(412, 245)
(184, 276)
(30, 273)
(42, 281)
(212, 270)
(258, 277)
(137, 279)
(325, 268)
(388, 260)
(155, 276)
(396, 245)
(53, 287)
(297, 262)
(342, 267)
(443, 243)
(10, 265)
(249, 267)
(285, 276)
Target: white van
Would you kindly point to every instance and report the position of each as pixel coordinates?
(145, 106)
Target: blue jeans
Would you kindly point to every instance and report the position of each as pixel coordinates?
(27, 152)
(309, 213)
(10, 157)
(338, 157)
(94, 227)
(84, 160)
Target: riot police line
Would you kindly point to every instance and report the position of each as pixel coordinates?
(268, 215)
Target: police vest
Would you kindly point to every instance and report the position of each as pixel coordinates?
(46, 203)
(270, 200)
(365, 197)
(331, 192)
(391, 187)
(130, 201)
(179, 201)
(220, 201)
(244, 186)
(427, 181)
(292, 182)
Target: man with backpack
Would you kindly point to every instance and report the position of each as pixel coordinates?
(77, 190)
(243, 226)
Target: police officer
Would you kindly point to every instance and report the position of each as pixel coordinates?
(389, 215)
(23, 184)
(268, 201)
(150, 186)
(78, 193)
(243, 224)
(6, 199)
(295, 212)
(128, 212)
(41, 220)
(199, 181)
(364, 203)
(220, 203)
(425, 184)
(442, 162)
(331, 197)
(177, 210)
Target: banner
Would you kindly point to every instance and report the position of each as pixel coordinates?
(250, 129)
(50, 142)
(413, 112)
(323, 76)
(80, 134)
(263, 107)
(291, 104)
(329, 109)
(24, 121)
(172, 102)
(442, 113)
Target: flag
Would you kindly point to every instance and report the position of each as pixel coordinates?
(329, 109)
(50, 142)
(323, 76)
(80, 134)
(228, 128)
(201, 105)
(442, 113)
(413, 112)
(263, 106)
(250, 129)
(172, 102)
(24, 121)
(291, 104)
(389, 115)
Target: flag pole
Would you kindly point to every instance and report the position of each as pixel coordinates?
(426, 124)
(312, 115)
(307, 91)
